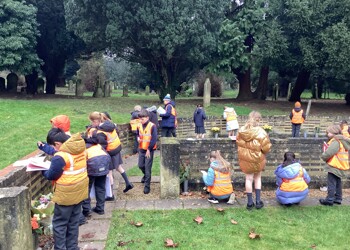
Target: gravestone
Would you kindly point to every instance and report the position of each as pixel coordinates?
(147, 90)
(2, 84)
(289, 90)
(79, 88)
(206, 93)
(125, 91)
(12, 80)
(40, 85)
(107, 89)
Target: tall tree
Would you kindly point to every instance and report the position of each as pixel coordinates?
(18, 32)
(170, 38)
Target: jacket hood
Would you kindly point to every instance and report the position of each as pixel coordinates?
(297, 109)
(344, 140)
(107, 126)
(74, 145)
(172, 103)
(288, 172)
(249, 134)
(61, 122)
(199, 110)
(217, 165)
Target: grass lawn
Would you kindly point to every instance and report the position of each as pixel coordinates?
(135, 171)
(280, 228)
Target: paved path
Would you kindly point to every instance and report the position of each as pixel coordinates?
(93, 235)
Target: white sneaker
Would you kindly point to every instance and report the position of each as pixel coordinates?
(232, 199)
(213, 200)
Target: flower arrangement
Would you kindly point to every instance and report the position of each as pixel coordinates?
(43, 205)
(215, 129)
(267, 128)
(36, 227)
(42, 209)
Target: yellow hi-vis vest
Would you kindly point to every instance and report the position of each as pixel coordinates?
(145, 135)
(134, 123)
(230, 116)
(297, 184)
(297, 117)
(112, 139)
(90, 132)
(222, 184)
(341, 159)
(344, 131)
(174, 113)
(72, 187)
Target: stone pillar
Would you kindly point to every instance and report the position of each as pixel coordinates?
(169, 168)
(79, 88)
(107, 89)
(289, 90)
(147, 90)
(125, 91)
(15, 230)
(206, 93)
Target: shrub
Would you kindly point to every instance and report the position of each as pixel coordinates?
(347, 98)
(216, 84)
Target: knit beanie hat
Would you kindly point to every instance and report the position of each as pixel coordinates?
(167, 97)
(297, 105)
(61, 122)
(334, 129)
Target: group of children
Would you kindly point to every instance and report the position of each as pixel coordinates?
(83, 161)
(291, 178)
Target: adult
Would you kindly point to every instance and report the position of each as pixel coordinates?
(292, 180)
(70, 181)
(336, 156)
(297, 117)
(169, 122)
(253, 144)
(198, 118)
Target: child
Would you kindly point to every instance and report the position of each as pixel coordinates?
(134, 122)
(337, 159)
(297, 118)
(344, 128)
(198, 119)
(292, 180)
(253, 144)
(106, 135)
(98, 165)
(69, 176)
(218, 179)
(231, 122)
(147, 134)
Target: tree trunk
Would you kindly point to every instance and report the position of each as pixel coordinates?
(300, 85)
(244, 92)
(51, 82)
(31, 81)
(261, 89)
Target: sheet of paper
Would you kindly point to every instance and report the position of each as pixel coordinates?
(161, 111)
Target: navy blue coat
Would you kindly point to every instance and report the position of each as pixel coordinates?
(199, 117)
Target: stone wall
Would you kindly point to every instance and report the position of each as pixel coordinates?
(195, 154)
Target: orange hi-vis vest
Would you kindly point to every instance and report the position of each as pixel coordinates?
(230, 116)
(75, 169)
(222, 184)
(174, 113)
(344, 131)
(341, 159)
(134, 123)
(297, 117)
(112, 139)
(145, 135)
(297, 184)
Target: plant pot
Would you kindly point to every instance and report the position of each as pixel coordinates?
(185, 185)
(305, 134)
(216, 135)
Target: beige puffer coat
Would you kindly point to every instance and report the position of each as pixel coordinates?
(253, 143)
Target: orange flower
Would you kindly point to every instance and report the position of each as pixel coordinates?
(35, 224)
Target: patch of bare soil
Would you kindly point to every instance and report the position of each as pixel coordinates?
(137, 193)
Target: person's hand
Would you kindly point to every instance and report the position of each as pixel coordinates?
(148, 154)
(40, 144)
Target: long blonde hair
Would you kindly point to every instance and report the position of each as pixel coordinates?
(254, 119)
(224, 166)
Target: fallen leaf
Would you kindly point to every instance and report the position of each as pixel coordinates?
(234, 222)
(124, 243)
(220, 209)
(203, 196)
(138, 224)
(190, 194)
(253, 235)
(88, 235)
(170, 243)
(313, 246)
(199, 219)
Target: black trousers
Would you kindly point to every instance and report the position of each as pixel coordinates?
(100, 192)
(65, 224)
(136, 144)
(295, 130)
(335, 191)
(168, 132)
(145, 164)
